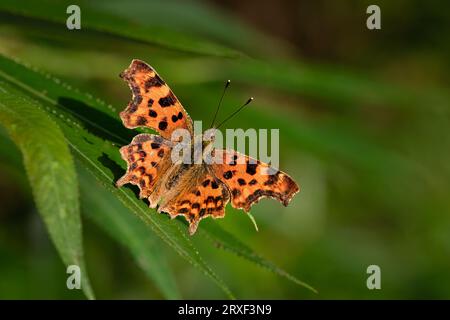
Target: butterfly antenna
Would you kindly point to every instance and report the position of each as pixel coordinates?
(234, 113)
(227, 84)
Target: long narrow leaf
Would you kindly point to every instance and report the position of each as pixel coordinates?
(55, 12)
(51, 173)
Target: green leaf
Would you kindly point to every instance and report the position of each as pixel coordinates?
(195, 17)
(99, 154)
(110, 214)
(54, 12)
(51, 173)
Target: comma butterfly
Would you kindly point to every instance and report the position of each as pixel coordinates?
(195, 191)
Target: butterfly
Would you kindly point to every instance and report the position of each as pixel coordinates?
(195, 191)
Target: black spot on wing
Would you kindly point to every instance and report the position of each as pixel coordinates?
(228, 174)
(241, 182)
(162, 125)
(205, 183)
(251, 168)
(167, 101)
(196, 206)
(210, 199)
(156, 81)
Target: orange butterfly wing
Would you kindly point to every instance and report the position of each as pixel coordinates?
(204, 197)
(144, 156)
(153, 104)
(248, 180)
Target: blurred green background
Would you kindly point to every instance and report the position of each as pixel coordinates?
(364, 128)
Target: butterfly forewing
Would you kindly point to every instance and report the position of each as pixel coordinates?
(153, 104)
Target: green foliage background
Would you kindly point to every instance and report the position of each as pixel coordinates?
(363, 118)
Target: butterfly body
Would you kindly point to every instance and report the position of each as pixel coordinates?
(195, 189)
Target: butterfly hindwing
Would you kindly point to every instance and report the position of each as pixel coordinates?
(144, 156)
(205, 196)
(249, 180)
(153, 104)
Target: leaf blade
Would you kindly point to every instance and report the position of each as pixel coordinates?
(98, 21)
(51, 173)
